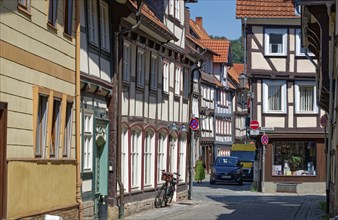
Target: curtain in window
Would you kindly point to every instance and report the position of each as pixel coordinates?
(306, 98)
(275, 97)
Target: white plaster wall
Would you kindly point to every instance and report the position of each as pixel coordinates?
(146, 102)
(305, 66)
(291, 116)
(290, 92)
(152, 107)
(259, 115)
(93, 67)
(258, 32)
(125, 102)
(105, 70)
(279, 63)
(139, 104)
(87, 185)
(306, 122)
(258, 61)
(132, 104)
(165, 113)
(83, 54)
(275, 122)
(171, 106)
(159, 105)
(259, 91)
(176, 110)
(292, 63)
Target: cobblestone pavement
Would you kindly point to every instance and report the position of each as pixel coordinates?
(238, 202)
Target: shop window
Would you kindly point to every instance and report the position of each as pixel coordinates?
(294, 158)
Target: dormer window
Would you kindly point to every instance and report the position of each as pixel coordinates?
(275, 42)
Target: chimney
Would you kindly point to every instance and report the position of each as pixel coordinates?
(199, 21)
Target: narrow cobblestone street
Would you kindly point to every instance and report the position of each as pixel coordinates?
(238, 202)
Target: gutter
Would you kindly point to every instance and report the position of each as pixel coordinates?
(77, 110)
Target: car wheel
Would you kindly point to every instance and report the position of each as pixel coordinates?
(212, 182)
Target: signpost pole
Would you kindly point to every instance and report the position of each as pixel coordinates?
(191, 175)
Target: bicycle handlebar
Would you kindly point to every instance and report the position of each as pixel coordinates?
(177, 174)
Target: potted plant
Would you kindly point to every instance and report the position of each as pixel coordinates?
(294, 162)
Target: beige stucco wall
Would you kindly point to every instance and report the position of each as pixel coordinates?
(274, 122)
(306, 122)
(53, 186)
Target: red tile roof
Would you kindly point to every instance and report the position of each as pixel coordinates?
(199, 30)
(265, 9)
(149, 14)
(220, 46)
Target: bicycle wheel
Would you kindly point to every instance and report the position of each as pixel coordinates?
(170, 194)
(160, 197)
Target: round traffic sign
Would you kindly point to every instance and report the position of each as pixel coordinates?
(265, 139)
(254, 125)
(194, 124)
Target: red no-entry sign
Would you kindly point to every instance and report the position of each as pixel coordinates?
(254, 125)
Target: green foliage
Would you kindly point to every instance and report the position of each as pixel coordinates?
(237, 51)
(294, 162)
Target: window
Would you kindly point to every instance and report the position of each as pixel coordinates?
(274, 94)
(135, 159)
(68, 17)
(300, 51)
(182, 155)
(186, 83)
(173, 154)
(140, 67)
(153, 71)
(294, 158)
(52, 12)
(126, 61)
(177, 80)
(124, 159)
(148, 158)
(177, 9)
(88, 142)
(59, 137)
(92, 22)
(174, 8)
(24, 5)
(104, 26)
(41, 126)
(55, 139)
(171, 7)
(161, 156)
(275, 42)
(305, 95)
(165, 77)
(68, 130)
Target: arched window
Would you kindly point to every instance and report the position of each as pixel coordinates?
(148, 155)
(161, 155)
(124, 159)
(135, 159)
(182, 157)
(173, 153)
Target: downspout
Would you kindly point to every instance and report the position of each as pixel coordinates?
(119, 119)
(328, 7)
(77, 110)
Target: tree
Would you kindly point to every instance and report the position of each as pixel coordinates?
(237, 51)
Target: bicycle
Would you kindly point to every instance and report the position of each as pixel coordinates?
(166, 191)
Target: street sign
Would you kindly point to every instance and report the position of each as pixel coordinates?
(267, 128)
(194, 124)
(254, 125)
(254, 132)
(323, 120)
(265, 139)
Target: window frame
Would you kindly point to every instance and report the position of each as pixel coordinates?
(178, 74)
(148, 156)
(24, 5)
(166, 72)
(135, 159)
(140, 67)
(68, 21)
(52, 12)
(182, 157)
(154, 69)
(124, 158)
(298, 84)
(92, 25)
(161, 156)
(283, 32)
(104, 26)
(298, 46)
(88, 140)
(126, 61)
(281, 83)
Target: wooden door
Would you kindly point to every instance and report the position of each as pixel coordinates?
(3, 162)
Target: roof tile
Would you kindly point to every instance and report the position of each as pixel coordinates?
(220, 46)
(265, 9)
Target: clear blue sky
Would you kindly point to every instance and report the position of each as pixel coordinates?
(219, 17)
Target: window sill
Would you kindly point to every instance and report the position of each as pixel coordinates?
(165, 94)
(24, 10)
(275, 55)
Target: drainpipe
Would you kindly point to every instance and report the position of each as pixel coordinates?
(77, 110)
(119, 119)
(328, 7)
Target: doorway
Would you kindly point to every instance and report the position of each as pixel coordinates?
(3, 161)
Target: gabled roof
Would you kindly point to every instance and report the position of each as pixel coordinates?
(220, 46)
(235, 70)
(265, 9)
(198, 29)
(200, 44)
(150, 17)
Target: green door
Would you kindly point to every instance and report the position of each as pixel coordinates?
(101, 168)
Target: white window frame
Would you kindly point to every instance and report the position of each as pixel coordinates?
(161, 156)
(173, 154)
(177, 9)
(299, 48)
(183, 158)
(126, 61)
(140, 67)
(266, 84)
(124, 159)
(165, 77)
(104, 26)
(135, 159)
(297, 97)
(154, 63)
(282, 31)
(171, 5)
(92, 22)
(88, 141)
(67, 140)
(149, 159)
(178, 80)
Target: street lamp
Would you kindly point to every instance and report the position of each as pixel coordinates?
(243, 81)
